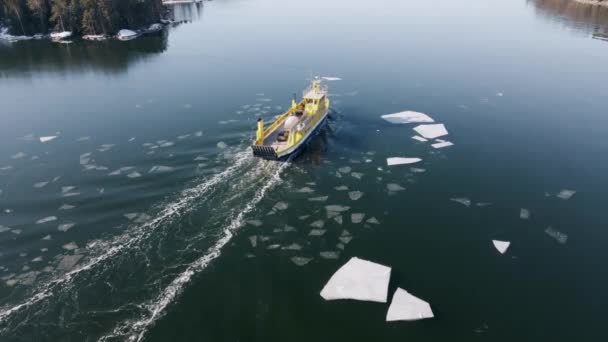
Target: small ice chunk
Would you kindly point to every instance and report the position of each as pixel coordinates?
(330, 78)
(406, 307)
(341, 188)
(357, 175)
(300, 261)
(70, 246)
(566, 194)
(19, 155)
(501, 246)
(462, 200)
(131, 216)
(318, 199)
(557, 235)
(330, 255)
(303, 217)
(337, 208)
(167, 144)
(345, 169)
(394, 187)
(431, 131)
(417, 170)
(65, 189)
(399, 161)
(338, 219)
(483, 204)
(372, 220)
(134, 174)
(274, 246)
(524, 214)
(340, 246)
(160, 169)
(357, 217)
(292, 247)
(419, 138)
(64, 227)
(4, 229)
(46, 219)
(288, 229)
(407, 117)
(305, 190)
(442, 144)
(360, 280)
(253, 240)
(48, 138)
(255, 223)
(37, 259)
(84, 138)
(222, 145)
(280, 206)
(198, 134)
(68, 262)
(16, 231)
(355, 195)
(345, 239)
(317, 232)
(40, 184)
(318, 224)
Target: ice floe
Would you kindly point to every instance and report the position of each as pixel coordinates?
(442, 144)
(406, 307)
(331, 78)
(64, 227)
(305, 190)
(399, 161)
(462, 200)
(345, 239)
(358, 279)
(329, 255)
(337, 208)
(301, 261)
(355, 195)
(501, 246)
(70, 246)
(4, 229)
(372, 220)
(318, 199)
(524, 214)
(273, 246)
(48, 138)
(338, 219)
(40, 185)
(557, 235)
(341, 188)
(255, 223)
(160, 169)
(431, 131)
(68, 262)
(357, 175)
(66, 207)
(253, 240)
(318, 224)
(222, 145)
(134, 174)
(317, 232)
(18, 155)
(419, 138)
(356, 217)
(46, 219)
(345, 169)
(566, 194)
(393, 187)
(280, 206)
(292, 247)
(407, 117)
(289, 228)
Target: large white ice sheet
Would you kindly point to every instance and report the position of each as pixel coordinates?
(398, 161)
(407, 117)
(501, 246)
(360, 280)
(406, 307)
(431, 131)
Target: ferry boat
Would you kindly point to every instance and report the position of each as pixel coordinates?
(291, 132)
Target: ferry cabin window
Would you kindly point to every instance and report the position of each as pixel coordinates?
(308, 101)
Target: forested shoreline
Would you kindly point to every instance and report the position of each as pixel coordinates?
(81, 17)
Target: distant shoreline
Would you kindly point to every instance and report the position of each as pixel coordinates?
(603, 3)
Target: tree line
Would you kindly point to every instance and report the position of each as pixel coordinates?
(27, 17)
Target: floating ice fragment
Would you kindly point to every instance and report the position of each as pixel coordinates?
(345, 239)
(360, 280)
(357, 217)
(330, 255)
(68, 262)
(19, 155)
(182, 137)
(64, 227)
(317, 232)
(292, 247)
(16, 231)
(394, 187)
(462, 200)
(417, 170)
(160, 169)
(524, 214)
(83, 138)
(318, 199)
(255, 223)
(558, 236)
(275, 246)
(442, 144)
(253, 240)
(337, 208)
(345, 169)
(70, 246)
(288, 229)
(131, 140)
(355, 195)
(330, 78)
(431, 131)
(280, 206)
(65, 189)
(566, 194)
(406, 307)
(407, 117)
(499, 94)
(222, 145)
(483, 204)
(501, 246)
(198, 134)
(300, 261)
(46, 237)
(4, 229)
(46, 219)
(341, 188)
(305, 190)
(398, 161)
(37, 259)
(357, 175)
(71, 194)
(338, 219)
(40, 184)
(372, 220)
(419, 138)
(167, 144)
(318, 224)
(340, 246)
(134, 174)
(47, 139)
